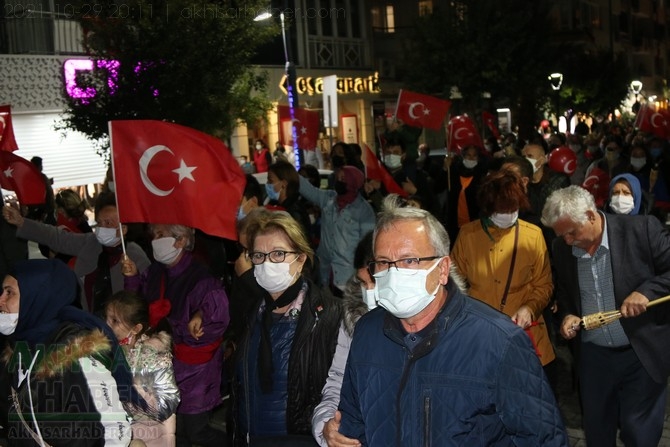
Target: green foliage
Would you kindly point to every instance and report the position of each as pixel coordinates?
(180, 61)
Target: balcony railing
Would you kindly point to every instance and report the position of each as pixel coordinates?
(40, 34)
(338, 52)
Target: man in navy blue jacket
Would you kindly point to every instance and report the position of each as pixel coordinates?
(433, 367)
(607, 262)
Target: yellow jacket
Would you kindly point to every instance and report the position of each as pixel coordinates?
(484, 258)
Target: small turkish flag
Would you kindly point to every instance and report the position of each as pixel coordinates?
(417, 110)
(21, 176)
(170, 174)
(375, 171)
(597, 183)
(7, 140)
(463, 133)
(306, 124)
(490, 121)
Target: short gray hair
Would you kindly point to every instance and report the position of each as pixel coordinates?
(439, 238)
(572, 202)
(437, 235)
(182, 231)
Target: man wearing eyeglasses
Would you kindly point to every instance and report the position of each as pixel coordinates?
(432, 366)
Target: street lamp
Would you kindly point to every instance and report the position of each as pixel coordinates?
(292, 92)
(556, 79)
(636, 87)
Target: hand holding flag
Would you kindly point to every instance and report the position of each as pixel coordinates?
(171, 174)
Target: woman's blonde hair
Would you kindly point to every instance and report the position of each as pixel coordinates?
(280, 221)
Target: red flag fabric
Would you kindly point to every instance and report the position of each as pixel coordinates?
(171, 174)
(7, 140)
(306, 124)
(490, 121)
(463, 133)
(417, 110)
(652, 121)
(21, 176)
(375, 171)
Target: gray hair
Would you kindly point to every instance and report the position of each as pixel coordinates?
(572, 202)
(180, 231)
(437, 235)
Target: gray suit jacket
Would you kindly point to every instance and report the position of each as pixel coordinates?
(640, 257)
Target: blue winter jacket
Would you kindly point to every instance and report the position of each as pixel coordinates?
(471, 378)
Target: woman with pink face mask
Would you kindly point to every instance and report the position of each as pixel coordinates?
(505, 261)
(290, 338)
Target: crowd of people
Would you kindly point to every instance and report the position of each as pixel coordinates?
(349, 316)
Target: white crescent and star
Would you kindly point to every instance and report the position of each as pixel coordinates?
(8, 172)
(568, 168)
(594, 180)
(458, 131)
(184, 171)
(653, 120)
(412, 106)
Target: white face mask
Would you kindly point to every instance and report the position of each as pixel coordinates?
(8, 323)
(534, 163)
(622, 204)
(107, 236)
(470, 164)
(403, 291)
(369, 296)
(504, 220)
(259, 146)
(392, 161)
(164, 250)
(638, 162)
(111, 186)
(274, 277)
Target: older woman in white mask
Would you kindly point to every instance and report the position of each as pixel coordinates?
(626, 196)
(290, 339)
(183, 293)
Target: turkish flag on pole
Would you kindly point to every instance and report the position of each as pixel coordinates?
(21, 176)
(417, 110)
(170, 174)
(306, 127)
(7, 140)
(375, 171)
(490, 121)
(463, 133)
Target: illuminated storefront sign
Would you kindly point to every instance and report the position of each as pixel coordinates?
(314, 85)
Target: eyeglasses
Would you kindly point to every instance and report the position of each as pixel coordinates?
(381, 268)
(275, 256)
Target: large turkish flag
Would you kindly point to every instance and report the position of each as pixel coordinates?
(170, 174)
(374, 170)
(463, 133)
